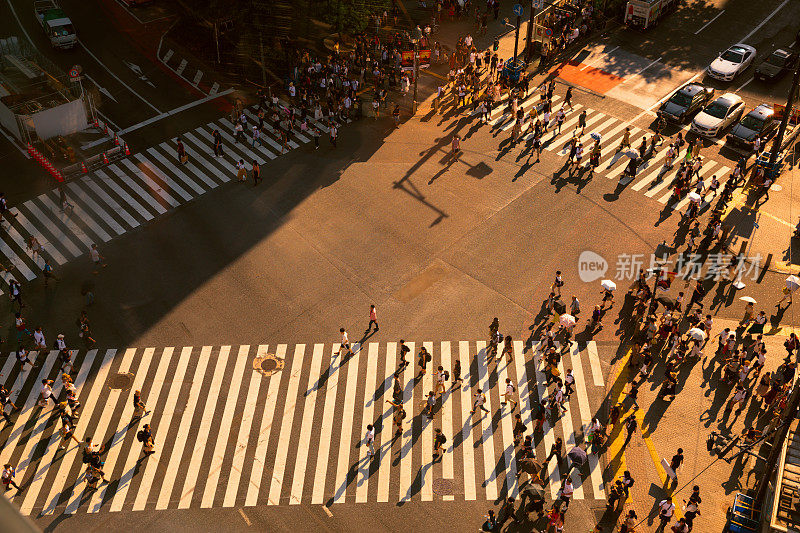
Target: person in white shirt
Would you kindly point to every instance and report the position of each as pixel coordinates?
(440, 379)
(665, 511)
(46, 392)
(345, 343)
(566, 493)
(369, 440)
(508, 396)
(38, 339)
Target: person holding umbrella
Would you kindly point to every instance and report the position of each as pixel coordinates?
(608, 293)
(792, 284)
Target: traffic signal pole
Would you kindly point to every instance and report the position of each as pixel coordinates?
(787, 112)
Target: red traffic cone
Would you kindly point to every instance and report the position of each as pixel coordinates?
(116, 140)
(127, 150)
(83, 168)
(96, 124)
(30, 149)
(105, 158)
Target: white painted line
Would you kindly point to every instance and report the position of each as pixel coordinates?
(65, 221)
(181, 67)
(249, 147)
(704, 26)
(83, 216)
(324, 448)
(645, 68)
(304, 444)
(404, 493)
(140, 97)
(72, 455)
(105, 217)
(594, 361)
(362, 477)
(184, 429)
(197, 77)
(214, 89)
(585, 410)
(467, 439)
(590, 120)
(23, 245)
(220, 448)
(131, 466)
(244, 517)
(509, 451)
(703, 170)
(175, 171)
(190, 484)
(162, 420)
(49, 247)
(151, 185)
(122, 193)
(115, 448)
(260, 459)
(447, 418)
(205, 163)
(587, 65)
(169, 182)
(155, 204)
(526, 397)
(327, 511)
(569, 441)
(666, 180)
(168, 55)
(189, 165)
(426, 467)
(287, 422)
(47, 462)
(245, 423)
(489, 460)
(132, 222)
(384, 439)
(739, 88)
(549, 438)
(744, 39)
(346, 426)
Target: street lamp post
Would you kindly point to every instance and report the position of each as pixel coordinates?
(776, 146)
(417, 38)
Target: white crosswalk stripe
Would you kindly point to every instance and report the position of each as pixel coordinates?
(293, 437)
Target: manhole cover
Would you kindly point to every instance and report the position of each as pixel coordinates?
(267, 364)
(120, 381)
(443, 487)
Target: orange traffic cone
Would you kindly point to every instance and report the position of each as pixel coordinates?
(83, 168)
(116, 140)
(105, 158)
(127, 150)
(96, 124)
(105, 128)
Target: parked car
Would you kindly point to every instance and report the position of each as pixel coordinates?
(718, 115)
(685, 101)
(732, 62)
(760, 122)
(776, 65)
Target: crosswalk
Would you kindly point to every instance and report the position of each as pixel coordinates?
(121, 196)
(229, 434)
(652, 178)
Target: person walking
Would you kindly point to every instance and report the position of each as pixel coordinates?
(519, 428)
(457, 373)
(399, 415)
(97, 259)
(241, 171)
(373, 318)
(630, 428)
(181, 152)
(15, 292)
(478, 403)
(560, 117)
(429, 405)
(626, 140)
(67, 432)
(568, 98)
(345, 345)
(439, 441)
(424, 359)
(5, 399)
(665, 511)
(46, 392)
(218, 152)
(557, 450)
(256, 170)
(441, 377)
(403, 351)
(145, 436)
(567, 491)
(581, 122)
(369, 440)
(675, 463)
(256, 136)
(22, 358)
(139, 408)
(7, 477)
(508, 396)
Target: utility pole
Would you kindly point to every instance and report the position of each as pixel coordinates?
(535, 6)
(416, 75)
(780, 435)
(776, 145)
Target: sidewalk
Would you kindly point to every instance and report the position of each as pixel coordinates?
(767, 224)
(685, 422)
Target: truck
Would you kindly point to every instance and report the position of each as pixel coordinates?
(55, 24)
(644, 14)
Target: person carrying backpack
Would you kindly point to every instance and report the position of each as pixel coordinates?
(438, 441)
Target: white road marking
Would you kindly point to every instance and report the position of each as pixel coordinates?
(168, 55)
(384, 439)
(304, 444)
(447, 419)
(362, 477)
(489, 461)
(467, 438)
(584, 408)
(754, 30)
(426, 466)
(406, 438)
(181, 67)
(197, 77)
(704, 26)
(324, 448)
(343, 463)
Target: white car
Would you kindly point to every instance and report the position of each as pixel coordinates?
(732, 62)
(718, 115)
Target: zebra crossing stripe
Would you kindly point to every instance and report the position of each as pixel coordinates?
(343, 463)
(595, 475)
(115, 451)
(110, 202)
(151, 184)
(122, 193)
(231, 397)
(304, 444)
(185, 425)
(384, 438)
(526, 399)
(18, 263)
(467, 451)
(147, 165)
(489, 462)
(370, 393)
(569, 441)
(447, 419)
(48, 246)
(104, 216)
(161, 158)
(259, 459)
(549, 439)
(426, 474)
(323, 452)
(163, 423)
(509, 451)
(285, 434)
(407, 436)
(175, 171)
(132, 185)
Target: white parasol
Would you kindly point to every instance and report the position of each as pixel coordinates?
(694, 197)
(697, 334)
(608, 285)
(566, 320)
(748, 299)
(792, 283)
